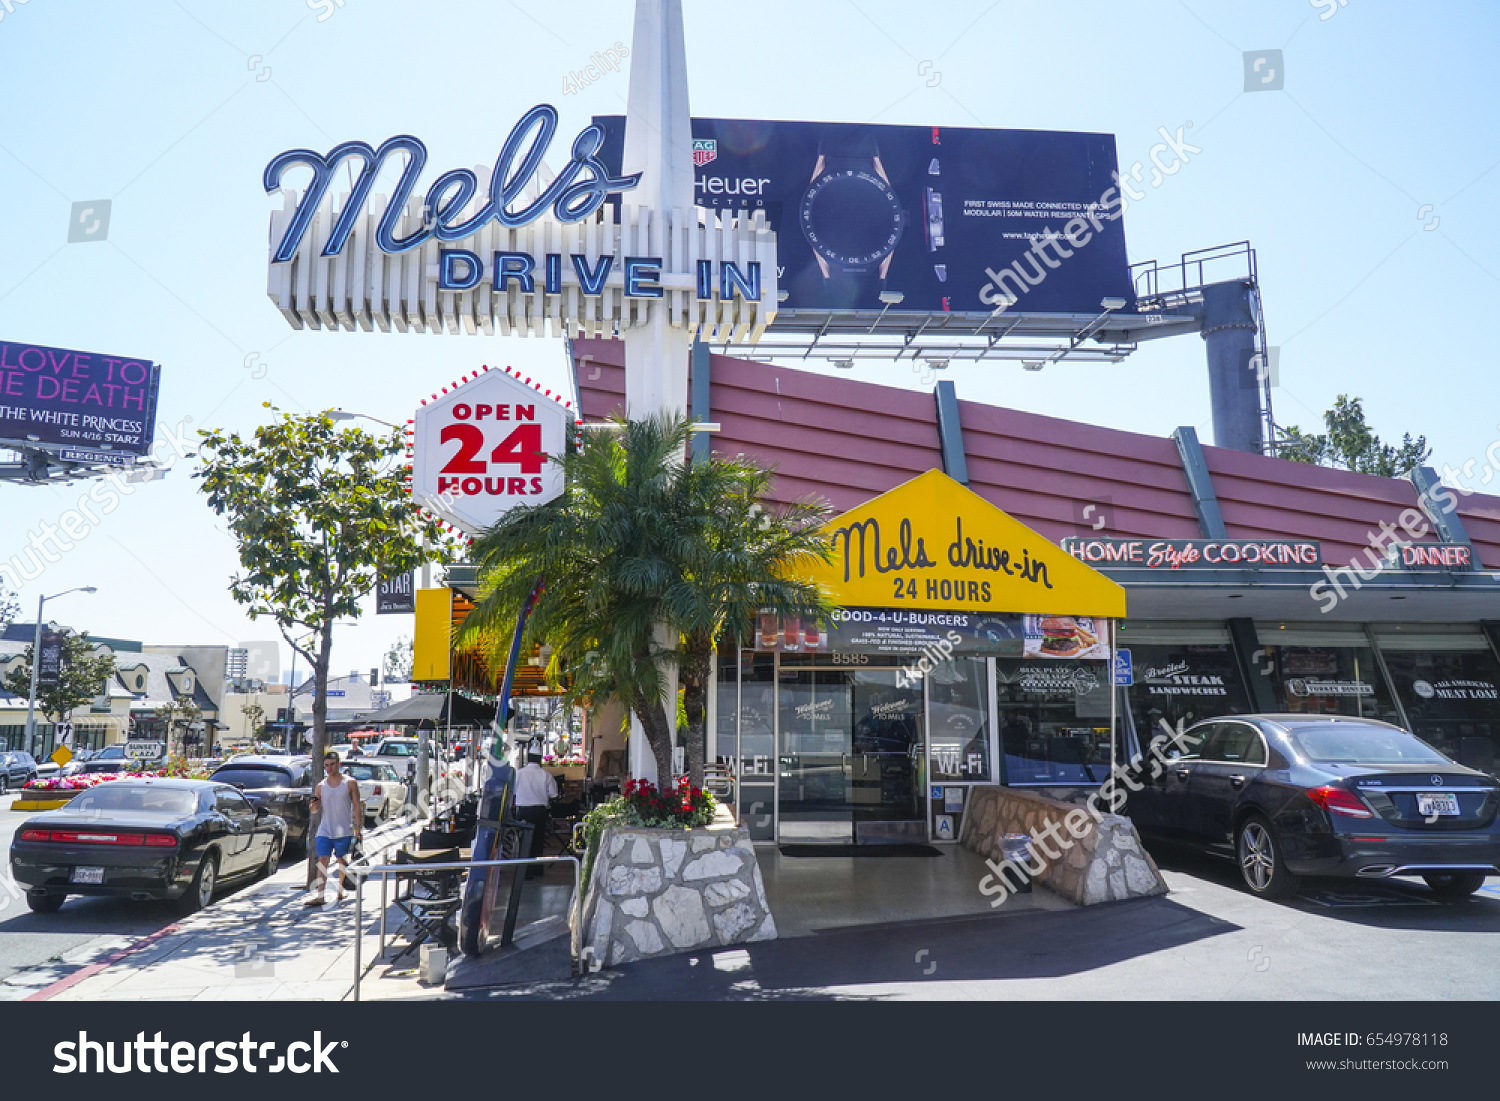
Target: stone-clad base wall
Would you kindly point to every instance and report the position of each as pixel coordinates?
(1099, 861)
(656, 892)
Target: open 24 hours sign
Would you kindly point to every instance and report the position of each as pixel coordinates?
(486, 447)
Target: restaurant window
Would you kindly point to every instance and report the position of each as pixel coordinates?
(1452, 701)
(746, 732)
(1182, 684)
(1323, 672)
(959, 721)
(1054, 720)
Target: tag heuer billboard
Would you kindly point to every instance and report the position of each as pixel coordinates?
(954, 220)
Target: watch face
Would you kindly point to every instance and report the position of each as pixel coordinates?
(851, 217)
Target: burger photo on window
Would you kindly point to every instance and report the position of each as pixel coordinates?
(1062, 636)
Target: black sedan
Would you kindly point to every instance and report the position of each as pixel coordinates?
(1293, 795)
(282, 784)
(145, 839)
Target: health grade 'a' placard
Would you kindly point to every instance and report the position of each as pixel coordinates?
(486, 447)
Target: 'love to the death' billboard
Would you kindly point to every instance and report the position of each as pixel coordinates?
(80, 404)
(954, 220)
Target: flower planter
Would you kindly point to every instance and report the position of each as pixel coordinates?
(567, 772)
(657, 892)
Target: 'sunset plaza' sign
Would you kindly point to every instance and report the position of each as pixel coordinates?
(487, 446)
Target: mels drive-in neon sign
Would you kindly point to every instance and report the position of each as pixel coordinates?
(571, 199)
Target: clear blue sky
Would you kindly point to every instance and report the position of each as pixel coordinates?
(171, 110)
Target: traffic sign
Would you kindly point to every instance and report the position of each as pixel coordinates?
(61, 755)
(486, 447)
(1124, 673)
(64, 733)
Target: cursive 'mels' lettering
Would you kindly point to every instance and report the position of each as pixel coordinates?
(577, 191)
(894, 558)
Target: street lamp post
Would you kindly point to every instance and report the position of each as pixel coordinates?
(36, 661)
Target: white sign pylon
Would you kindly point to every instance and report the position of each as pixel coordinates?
(659, 145)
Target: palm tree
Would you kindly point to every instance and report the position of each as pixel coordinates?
(647, 561)
(739, 560)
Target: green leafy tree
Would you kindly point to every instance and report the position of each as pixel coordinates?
(255, 717)
(398, 662)
(1351, 444)
(83, 677)
(647, 562)
(10, 606)
(176, 717)
(320, 514)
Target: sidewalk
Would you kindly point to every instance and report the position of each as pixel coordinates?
(259, 943)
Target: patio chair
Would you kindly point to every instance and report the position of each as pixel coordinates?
(431, 902)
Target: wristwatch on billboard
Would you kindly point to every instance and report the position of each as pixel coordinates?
(852, 219)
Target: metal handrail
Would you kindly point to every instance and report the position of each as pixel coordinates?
(386, 870)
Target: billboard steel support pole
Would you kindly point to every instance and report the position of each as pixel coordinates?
(1229, 333)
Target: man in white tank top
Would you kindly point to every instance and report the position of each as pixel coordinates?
(342, 821)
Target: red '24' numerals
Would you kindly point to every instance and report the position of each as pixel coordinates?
(523, 447)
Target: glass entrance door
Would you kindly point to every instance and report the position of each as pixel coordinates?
(852, 760)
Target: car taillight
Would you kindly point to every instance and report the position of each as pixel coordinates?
(86, 837)
(1339, 801)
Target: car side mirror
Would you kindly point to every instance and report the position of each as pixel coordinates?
(260, 811)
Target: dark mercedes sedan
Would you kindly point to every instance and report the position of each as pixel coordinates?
(1298, 795)
(153, 838)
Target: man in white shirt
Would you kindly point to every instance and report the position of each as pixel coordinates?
(535, 789)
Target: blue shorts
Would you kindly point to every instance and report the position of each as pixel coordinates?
(333, 846)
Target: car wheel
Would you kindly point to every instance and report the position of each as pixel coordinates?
(201, 892)
(44, 904)
(273, 858)
(1451, 888)
(1261, 865)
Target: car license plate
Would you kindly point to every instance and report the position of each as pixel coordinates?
(88, 875)
(1437, 803)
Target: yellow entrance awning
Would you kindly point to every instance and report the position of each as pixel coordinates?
(934, 544)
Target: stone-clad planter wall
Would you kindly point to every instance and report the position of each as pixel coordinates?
(1106, 863)
(656, 892)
